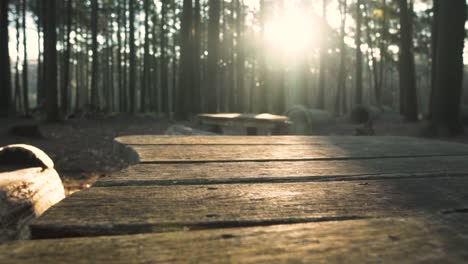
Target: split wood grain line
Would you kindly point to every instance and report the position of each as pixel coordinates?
(237, 153)
(396, 240)
(268, 140)
(277, 171)
(146, 209)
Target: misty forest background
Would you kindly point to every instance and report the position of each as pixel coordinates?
(183, 57)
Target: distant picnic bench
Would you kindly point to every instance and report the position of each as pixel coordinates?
(237, 199)
(274, 124)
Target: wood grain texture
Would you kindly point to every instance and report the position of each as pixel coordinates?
(277, 171)
(385, 240)
(236, 153)
(130, 209)
(268, 140)
(243, 120)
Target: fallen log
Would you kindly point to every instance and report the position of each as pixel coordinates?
(29, 185)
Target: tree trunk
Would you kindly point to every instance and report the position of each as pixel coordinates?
(374, 71)
(120, 84)
(358, 98)
(232, 96)
(323, 58)
(197, 38)
(184, 91)
(260, 98)
(95, 58)
(408, 100)
(447, 90)
(342, 70)
(5, 71)
(18, 102)
(39, 86)
(133, 63)
(50, 59)
(383, 52)
(25, 63)
(66, 61)
(434, 37)
(164, 68)
(213, 53)
(144, 80)
(174, 55)
(242, 96)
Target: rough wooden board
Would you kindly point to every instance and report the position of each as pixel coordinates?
(235, 153)
(244, 120)
(267, 140)
(25, 194)
(126, 210)
(386, 240)
(278, 171)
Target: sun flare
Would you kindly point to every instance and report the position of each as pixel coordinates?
(293, 33)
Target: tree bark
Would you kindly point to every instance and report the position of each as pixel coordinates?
(322, 59)
(133, 63)
(260, 99)
(358, 41)
(164, 68)
(374, 71)
(197, 38)
(434, 37)
(17, 96)
(146, 64)
(383, 52)
(184, 92)
(408, 100)
(445, 107)
(39, 87)
(25, 63)
(342, 70)
(5, 71)
(213, 53)
(66, 61)
(242, 96)
(50, 59)
(95, 58)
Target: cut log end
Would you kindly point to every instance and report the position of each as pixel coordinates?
(29, 185)
(24, 156)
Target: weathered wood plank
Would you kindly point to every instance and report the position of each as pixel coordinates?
(236, 153)
(277, 171)
(386, 240)
(130, 209)
(244, 120)
(267, 140)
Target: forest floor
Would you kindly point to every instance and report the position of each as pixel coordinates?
(83, 149)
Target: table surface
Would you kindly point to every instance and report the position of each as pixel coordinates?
(265, 199)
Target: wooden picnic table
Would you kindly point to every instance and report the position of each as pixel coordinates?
(253, 123)
(262, 200)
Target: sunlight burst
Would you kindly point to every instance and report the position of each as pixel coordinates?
(293, 33)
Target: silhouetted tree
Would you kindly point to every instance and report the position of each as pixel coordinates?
(358, 41)
(5, 72)
(213, 53)
(408, 100)
(448, 65)
(25, 61)
(323, 58)
(65, 93)
(132, 57)
(95, 57)
(50, 59)
(196, 62)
